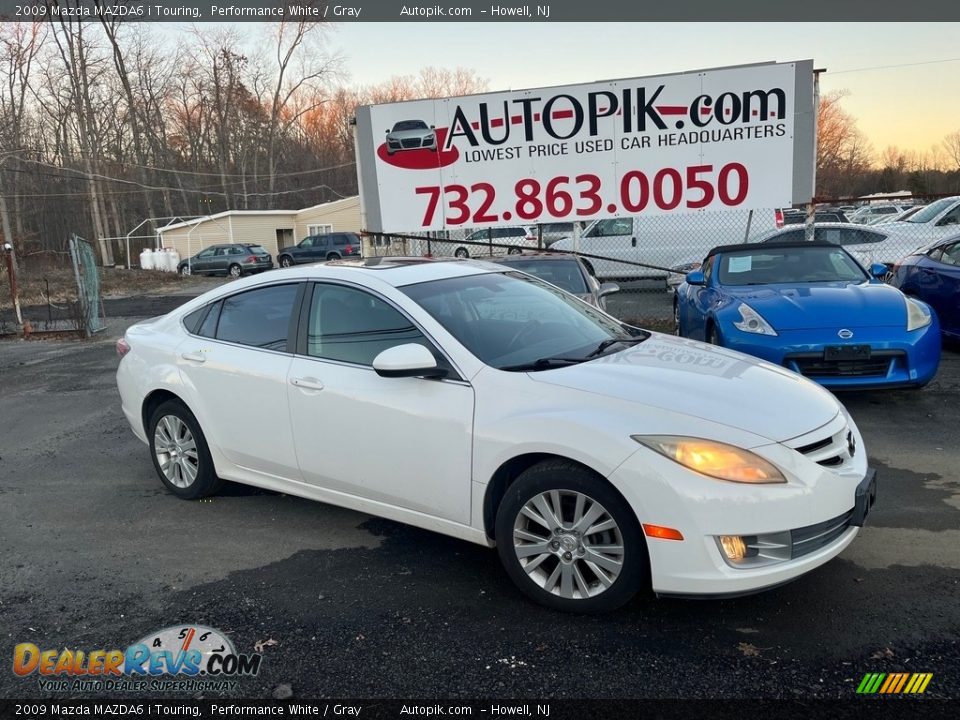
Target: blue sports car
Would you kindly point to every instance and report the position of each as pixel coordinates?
(812, 308)
(933, 275)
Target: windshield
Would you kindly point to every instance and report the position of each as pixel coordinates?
(562, 273)
(931, 211)
(789, 265)
(511, 321)
(409, 125)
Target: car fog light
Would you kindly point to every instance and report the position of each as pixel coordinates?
(733, 547)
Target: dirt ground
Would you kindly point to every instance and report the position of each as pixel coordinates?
(33, 283)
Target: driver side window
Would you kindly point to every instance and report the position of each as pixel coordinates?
(307, 242)
(612, 227)
(353, 326)
(951, 218)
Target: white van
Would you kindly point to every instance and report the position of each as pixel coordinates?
(659, 241)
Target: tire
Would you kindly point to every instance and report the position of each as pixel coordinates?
(172, 427)
(713, 336)
(235, 271)
(461, 252)
(514, 251)
(332, 256)
(552, 581)
(185, 270)
(285, 261)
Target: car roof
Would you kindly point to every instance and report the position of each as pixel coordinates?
(536, 256)
(400, 271)
(771, 245)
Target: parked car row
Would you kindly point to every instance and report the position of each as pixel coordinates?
(238, 259)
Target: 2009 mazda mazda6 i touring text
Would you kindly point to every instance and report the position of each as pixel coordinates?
(486, 404)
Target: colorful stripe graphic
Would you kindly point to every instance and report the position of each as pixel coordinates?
(894, 683)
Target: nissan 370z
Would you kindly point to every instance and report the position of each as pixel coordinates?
(483, 403)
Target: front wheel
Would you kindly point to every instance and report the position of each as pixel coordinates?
(286, 261)
(185, 270)
(713, 336)
(461, 252)
(180, 453)
(569, 540)
(235, 271)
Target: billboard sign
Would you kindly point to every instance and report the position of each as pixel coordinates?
(729, 138)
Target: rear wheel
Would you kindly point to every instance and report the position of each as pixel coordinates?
(569, 541)
(180, 453)
(235, 271)
(514, 251)
(332, 256)
(461, 252)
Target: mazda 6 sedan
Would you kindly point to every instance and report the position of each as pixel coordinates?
(483, 403)
(811, 307)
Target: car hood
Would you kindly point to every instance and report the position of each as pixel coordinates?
(840, 304)
(704, 381)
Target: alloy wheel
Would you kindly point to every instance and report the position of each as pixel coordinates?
(185, 270)
(176, 451)
(568, 544)
(236, 271)
(461, 253)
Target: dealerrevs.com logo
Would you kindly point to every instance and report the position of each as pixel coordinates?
(189, 658)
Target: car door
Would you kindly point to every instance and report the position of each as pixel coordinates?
(201, 261)
(220, 260)
(320, 249)
(405, 442)
(702, 300)
(235, 368)
(612, 238)
(939, 279)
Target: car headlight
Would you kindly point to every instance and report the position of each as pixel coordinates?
(752, 322)
(429, 138)
(918, 315)
(714, 459)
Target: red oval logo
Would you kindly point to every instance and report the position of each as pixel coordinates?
(420, 158)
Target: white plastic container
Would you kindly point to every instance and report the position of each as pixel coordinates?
(173, 259)
(146, 260)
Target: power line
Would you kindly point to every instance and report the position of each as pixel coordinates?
(893, 67)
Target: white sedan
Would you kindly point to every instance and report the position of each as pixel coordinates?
(485, 404)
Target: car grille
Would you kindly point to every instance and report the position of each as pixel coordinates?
(414, 143)
(813, 365)
(831, 451)
(811, 538)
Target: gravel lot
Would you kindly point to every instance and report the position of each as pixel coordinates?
(97, 554)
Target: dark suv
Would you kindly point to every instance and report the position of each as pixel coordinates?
(317, 248)
(234, 260)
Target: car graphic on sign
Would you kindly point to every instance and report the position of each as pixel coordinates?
(411, 135)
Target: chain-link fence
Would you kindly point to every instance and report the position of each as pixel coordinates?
(648, 256)
(88, 309)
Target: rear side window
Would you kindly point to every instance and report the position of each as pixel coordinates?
(192, 320)
(340, 240)
(209, 326)
(259, 318)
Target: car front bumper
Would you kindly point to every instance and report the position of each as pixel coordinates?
(900, 358)
(662, 492)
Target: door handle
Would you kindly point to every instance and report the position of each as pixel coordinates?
(197, 357)
(307, 383)
(633, 242)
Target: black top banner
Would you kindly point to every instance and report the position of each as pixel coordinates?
(479, 11)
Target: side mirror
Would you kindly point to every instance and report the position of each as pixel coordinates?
(879, 270)
(695, 278)
(608, 288)
(432, 127)
(410, 360)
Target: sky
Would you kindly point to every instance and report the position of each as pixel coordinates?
(912, 107)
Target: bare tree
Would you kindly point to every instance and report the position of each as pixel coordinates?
(951, 144)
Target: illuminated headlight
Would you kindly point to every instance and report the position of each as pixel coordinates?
(714, 459)
(752, 322)
(918, 315)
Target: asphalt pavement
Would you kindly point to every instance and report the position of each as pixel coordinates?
(96, 554)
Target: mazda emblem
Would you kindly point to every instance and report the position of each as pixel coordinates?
(845, 334)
